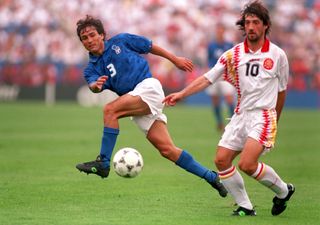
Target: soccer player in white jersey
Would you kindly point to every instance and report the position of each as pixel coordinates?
(259, 71)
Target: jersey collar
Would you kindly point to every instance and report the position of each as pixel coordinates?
(93, 58)
(265, 47)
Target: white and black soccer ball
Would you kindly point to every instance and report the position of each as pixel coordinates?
(127, 162)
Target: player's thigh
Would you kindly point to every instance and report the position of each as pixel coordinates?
(151, 92)
(159, 136)
(250, 153)
(128, 105)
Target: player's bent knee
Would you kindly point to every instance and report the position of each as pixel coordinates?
(108, 109)
(248, 168)
(221, 163)
(109, 112)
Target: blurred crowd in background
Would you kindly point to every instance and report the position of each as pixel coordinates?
(38, 41)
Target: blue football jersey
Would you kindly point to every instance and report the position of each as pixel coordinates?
(215, 50)
(121, 62)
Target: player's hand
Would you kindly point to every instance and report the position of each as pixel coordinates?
(101, 81)
(97, 86)
(184, 64)
(172, 99)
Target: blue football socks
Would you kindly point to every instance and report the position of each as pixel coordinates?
(218, 114)
(187, 162)
(109, 139)
(231, 109)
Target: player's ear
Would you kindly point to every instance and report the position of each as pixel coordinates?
(102, 37)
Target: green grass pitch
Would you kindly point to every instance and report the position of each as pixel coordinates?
(40, 146)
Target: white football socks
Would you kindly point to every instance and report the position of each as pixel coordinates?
(269, 178)
(233, 182)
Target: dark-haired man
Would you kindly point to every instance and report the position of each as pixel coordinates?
(258, 69)
(116, 64)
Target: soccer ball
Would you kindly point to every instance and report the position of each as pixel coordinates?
(127, 162)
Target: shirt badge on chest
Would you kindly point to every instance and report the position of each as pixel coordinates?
(116, 49)
(268, 64)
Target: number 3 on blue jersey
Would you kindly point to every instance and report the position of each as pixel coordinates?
(112, 70)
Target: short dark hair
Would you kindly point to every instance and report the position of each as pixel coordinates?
(258, 9)
(90, 21)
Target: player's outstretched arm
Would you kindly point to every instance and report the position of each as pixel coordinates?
(172, 99)
(96, 87)
(195, 86)
(180, 62)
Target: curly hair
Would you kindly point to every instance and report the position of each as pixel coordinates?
(90, 21)
(258, 9)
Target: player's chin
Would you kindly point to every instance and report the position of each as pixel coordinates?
(253, 37)
(94, 50)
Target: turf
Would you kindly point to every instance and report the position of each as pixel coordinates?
(40, 146)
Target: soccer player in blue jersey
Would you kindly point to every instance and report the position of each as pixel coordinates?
(220, 90)
(116, 64)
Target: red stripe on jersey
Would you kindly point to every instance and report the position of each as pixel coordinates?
(223, 61)
(231, 74)
(236, 65)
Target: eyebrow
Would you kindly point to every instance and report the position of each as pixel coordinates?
(254, 19)
(90, 32)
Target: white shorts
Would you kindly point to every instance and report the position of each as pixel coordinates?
(220, 88)
(151, 92)
(259, 124)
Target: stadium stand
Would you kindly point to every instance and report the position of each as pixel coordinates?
(38, 41)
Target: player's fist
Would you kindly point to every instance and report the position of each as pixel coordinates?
(97, 86)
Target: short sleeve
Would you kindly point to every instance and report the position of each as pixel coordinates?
(139, 44)
(217, 71)
(283, 72)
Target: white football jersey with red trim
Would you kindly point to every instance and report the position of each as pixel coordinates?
(257, 76)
